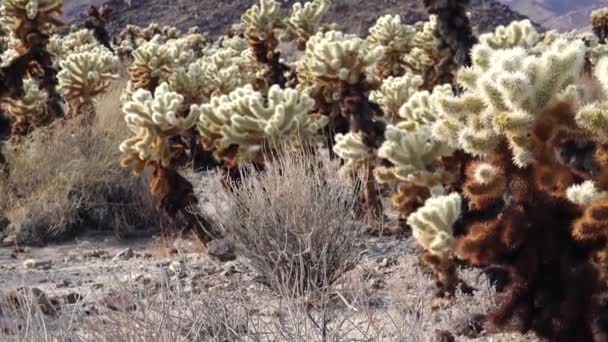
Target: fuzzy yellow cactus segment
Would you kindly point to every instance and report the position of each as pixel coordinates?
(355, 153)
(244, 118)
(594, 116)
(518, 33)
(585, 193)
(432, 224)
(79, 41)
(262, 19)
(396, 39)
(31, 108)
(154, 62)
(505, 91)
(599, 23)
(394, 93)
(422, 107)
(305, 20)
(218, 73)
(45, 13)
(153, 118)
(85, 75)
(333, 57)
(425, 51)
(412, 153)
(10, 51)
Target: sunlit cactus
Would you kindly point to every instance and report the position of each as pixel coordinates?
(433, 224)
(412, 153)
(506, 90)
(30, 110)
(516, 34)
(244, 119)
(394, 93)
(305, 20)
(397, 40)
(152, 117)
(83, 77)
(42, 14)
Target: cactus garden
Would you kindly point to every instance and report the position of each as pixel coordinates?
(292, 180)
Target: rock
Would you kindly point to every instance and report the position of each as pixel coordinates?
(72, 298)
(43, 302)
(34, 263)
(222, 249)
(471, 327)
(443, 336)
(124, 255)
(119, 302)
(97, 286)
(9, 240)
(95, 253)
(176, 267)
(63, 284)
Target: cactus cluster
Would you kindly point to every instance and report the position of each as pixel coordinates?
(495, 147)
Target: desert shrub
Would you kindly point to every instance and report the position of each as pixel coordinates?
(65, 178)
(293, 221)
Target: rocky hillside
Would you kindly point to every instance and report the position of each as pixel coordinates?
(214, 16)
(559, 14)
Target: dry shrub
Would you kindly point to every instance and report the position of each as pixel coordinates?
(65, 178)
(292, 221)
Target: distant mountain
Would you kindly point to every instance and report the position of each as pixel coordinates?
(215, 16)
(558, 14)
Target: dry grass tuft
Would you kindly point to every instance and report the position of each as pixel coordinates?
(65, 178)
(293, 222)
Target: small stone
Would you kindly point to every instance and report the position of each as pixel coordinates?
(119, 302)
(443, 336)
(176, 267)
(96, 253)
(222, 249)
(72, 298)
(34, 263)
(471, 327)
(124, 255)
(63, 284)
(97, 286)
(46, 306)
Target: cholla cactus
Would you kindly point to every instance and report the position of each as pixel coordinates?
(244, 118)
(433, 224)
(305, 20)
(422, 107)
(84, 76)
(594, 116)
(153, 118)
(42, 13)
(80, 41)
(218, 73)
(29, 110)
(396, 39)
(585, 193)
(394, 93)
(425, 52)
(505, 92)
(355, 153)
(599, 23)
(261, 20)
(334, 57)
(154, 63)
(412, 153)
(516, 34)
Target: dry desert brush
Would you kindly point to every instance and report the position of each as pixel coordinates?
(64, 178)
(293, 222)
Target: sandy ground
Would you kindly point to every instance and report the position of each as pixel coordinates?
(96, 268)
